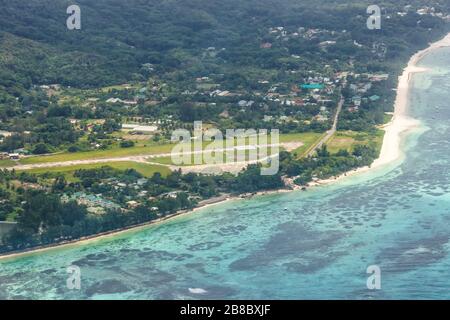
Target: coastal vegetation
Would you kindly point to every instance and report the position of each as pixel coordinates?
(74, 209)
(138, 70)
(131, 197)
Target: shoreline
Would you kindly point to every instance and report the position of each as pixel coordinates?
(135, 228)
(399, 125)
(113, 233)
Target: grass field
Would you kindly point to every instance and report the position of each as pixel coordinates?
(152, 148)
(121, 87)
(115, 152)
(168, 160)
(349, 139)
(7, 163)
(308, 139)
(146, 170)
(207, 86)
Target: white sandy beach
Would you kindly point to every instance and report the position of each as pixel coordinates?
(400, 124)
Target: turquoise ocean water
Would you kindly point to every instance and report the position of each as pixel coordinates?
(299, 245)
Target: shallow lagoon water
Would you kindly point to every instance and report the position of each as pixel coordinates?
(319, 247)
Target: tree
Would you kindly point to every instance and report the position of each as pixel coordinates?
(71, 213)
(188, 112)
(323, 152)
(59, 184)
(73, 149)
(126, 144)
(12, 143)
(41, 148)
(251, 180)
(40, 212)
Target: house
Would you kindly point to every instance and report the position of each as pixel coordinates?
(172, 195)
(364, 88)
(245, 103)
(225, 114)
(202, 79)
(312, 86)
(327, 43)
(114, 100)
(5, 133)
(141, 181)
(21, 151)
(224, 93)
(424, 11)
(321, 118)
(14, 156)
(95, 203)
(139, 128)
(117, 100)
(215, 92)
(143, 193)
(242, 103)
(299, 102)
(374, 98)
(378, 77)
(356, 100)
(132, 204)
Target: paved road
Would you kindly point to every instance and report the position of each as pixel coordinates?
(330, 132)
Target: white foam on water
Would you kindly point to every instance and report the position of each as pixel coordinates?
(197, 290)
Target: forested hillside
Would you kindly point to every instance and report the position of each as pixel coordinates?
(117, 36)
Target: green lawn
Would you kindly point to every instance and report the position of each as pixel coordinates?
(207, 86)
(100, 154)
(168, 160)
(349, 139)
(119, 87)
(114, 152)
(308, 139)
(145, 169)
(7, 163)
